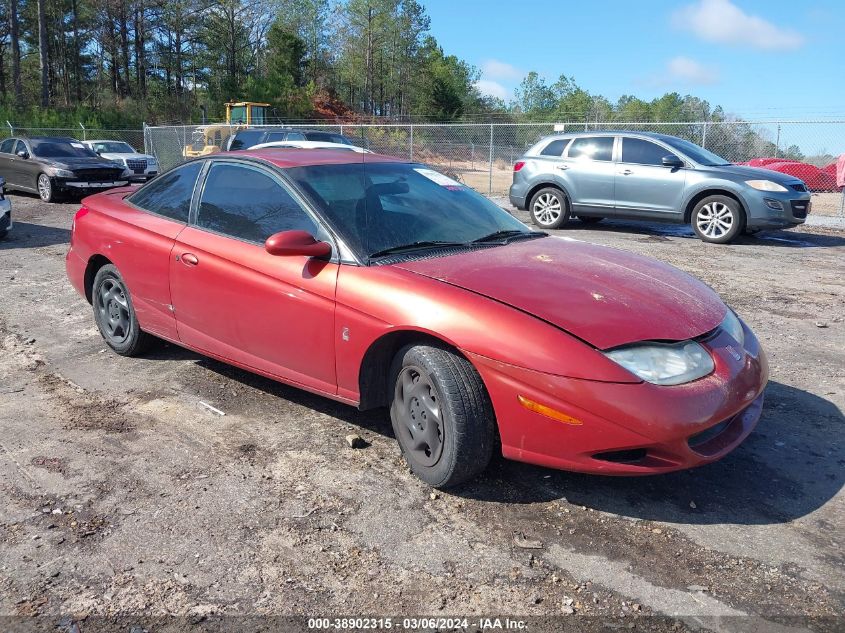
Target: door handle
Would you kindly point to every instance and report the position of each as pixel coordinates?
(627, 172)
(189, 259)
(562, 167)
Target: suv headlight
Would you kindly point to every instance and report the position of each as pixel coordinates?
(733, 326)
(63, 173)
(664, 363)
(765, 185)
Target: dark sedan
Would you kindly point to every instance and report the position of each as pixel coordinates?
(52, 166)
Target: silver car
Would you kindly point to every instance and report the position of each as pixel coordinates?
(634, 175)
(142, 167)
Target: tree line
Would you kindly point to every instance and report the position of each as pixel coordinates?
(115, 63)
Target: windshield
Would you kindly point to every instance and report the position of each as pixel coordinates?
(246, 139)
(698, 154)
(61, 149)
(113, 147)
(380, 206)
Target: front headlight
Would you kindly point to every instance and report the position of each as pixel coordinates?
(733, 326)
(765, 185)
(63, 173)
(664, 363)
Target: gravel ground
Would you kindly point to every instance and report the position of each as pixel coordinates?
(122, 495)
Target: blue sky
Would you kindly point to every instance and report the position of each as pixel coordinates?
(756, 58)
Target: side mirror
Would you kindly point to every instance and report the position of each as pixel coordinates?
(23, 153)
(296, 243)
(672, 161)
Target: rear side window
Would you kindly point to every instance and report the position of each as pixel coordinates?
(7, 145)
(592, 148)
(249, 204)
(640, 152)
(169, 194)
(555, 148)
(246, 139)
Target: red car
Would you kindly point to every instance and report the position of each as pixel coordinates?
(379, 282)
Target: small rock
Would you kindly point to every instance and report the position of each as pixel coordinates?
(657, 531)
(31, 340)
(433, 496)
(355, 441)
(636, 607)
(567, 610)
(692, 505)
(567, 602)
(821, 324)
(521, 541)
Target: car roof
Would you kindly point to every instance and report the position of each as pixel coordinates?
(289, 157)
(105, 140)
(50, 139)
(654, 135)
(262, 128)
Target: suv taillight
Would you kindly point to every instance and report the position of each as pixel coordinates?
(518, 165)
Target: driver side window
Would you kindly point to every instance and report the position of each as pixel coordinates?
(249, 204)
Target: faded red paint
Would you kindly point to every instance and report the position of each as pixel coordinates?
(530, 316)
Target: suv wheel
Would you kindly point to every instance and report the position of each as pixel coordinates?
(717, 219)
(549, 208)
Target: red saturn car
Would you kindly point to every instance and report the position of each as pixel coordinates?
(383, 283)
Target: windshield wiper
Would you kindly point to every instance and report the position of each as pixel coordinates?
(503, 236)
(413, 246)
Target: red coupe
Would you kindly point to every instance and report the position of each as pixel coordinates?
(379, 282)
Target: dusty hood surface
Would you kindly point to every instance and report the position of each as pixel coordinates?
(602, 295)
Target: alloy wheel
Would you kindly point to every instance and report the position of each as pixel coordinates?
(114, 310)
(547, 208)
(715, 220)
(420, 422)
(44, 187)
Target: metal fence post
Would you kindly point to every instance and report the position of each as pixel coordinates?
(84, 131)
(11, 128)
(411, 143)
(490, 169)
(777, 143)
(704, 135)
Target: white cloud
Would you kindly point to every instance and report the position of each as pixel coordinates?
(494, 69)
(723, 22)
(686, 70)
(492, 89)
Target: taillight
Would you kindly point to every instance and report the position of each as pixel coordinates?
(518, 165)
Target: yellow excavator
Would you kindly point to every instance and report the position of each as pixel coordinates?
(208, 139)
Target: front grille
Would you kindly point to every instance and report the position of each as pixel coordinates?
(800, 208)
(98, 175)
(138, 166)
(799, 187)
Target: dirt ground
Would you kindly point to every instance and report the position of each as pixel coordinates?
(122, 494)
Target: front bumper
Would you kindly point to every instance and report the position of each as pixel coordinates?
(771, 209)
(87, 185)
(634, 428)
(5, 215)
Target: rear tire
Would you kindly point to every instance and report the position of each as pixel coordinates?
(549, 208)
(717, 219)
(114, 314)
(590, 219)
(441, 414)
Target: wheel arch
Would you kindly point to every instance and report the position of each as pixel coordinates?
(543, 185)
(373, 377)
(95, 263)
(698, 197)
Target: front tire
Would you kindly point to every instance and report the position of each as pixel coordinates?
(549, 208)
(114, 314)
(46, 191)
(441, 414)
(717, 219)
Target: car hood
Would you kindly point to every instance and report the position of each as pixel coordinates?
(604, 296)
(83, 163)
(750, 173)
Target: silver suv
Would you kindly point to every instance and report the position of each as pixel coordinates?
(593, 175)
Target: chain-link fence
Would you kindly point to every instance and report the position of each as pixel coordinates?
(134, 137)
(482, 155)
